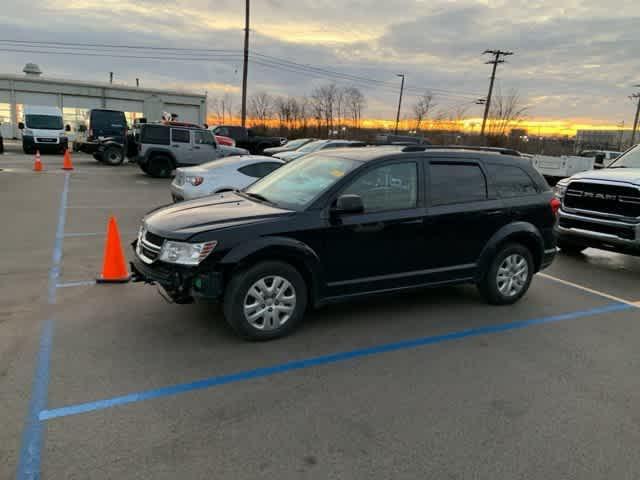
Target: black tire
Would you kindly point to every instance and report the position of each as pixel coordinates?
(238, 288)
(489, 285)
(570, 248)
(28, 150)
(160, 166)
(113, 156)
(97, 156)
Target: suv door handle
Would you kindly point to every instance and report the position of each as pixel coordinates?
(369, 228)
(197, 148)
(493, 213)
(175, 146)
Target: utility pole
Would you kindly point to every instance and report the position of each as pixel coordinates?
(635, 122)
(245, 70)
(497, 54)
(401, 75)
(110, 77)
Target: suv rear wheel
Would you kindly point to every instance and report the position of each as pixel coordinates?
(509, 275)
(160, 166)
(265, 301)
(113, 156)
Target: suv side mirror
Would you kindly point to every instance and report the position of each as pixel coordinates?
(348, 204)
(21, 126)
(67, 128)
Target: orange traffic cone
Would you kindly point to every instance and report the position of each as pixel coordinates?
(37, 164)
(66, 164)
(114, 267)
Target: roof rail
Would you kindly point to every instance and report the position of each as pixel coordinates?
(500, 150)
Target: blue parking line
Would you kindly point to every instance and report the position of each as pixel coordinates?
(29, 463)
(316, 361)
(76, 284)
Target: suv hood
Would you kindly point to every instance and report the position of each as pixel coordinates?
(626, 175)
(185, 219)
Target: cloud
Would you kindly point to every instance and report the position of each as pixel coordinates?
(574, 58)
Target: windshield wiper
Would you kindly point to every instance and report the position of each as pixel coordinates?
(619, 166)
(258, 197)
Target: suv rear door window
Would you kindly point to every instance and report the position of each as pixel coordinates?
(388, 187)
(452, 183)
(154, 134)
(179, 135)
(511, 181)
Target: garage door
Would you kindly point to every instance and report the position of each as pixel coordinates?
(37, 99)
(87, 103)
(124, 105)
(186, 113)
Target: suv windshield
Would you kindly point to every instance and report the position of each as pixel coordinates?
(295, 185)
(44, 122)
(631, 159)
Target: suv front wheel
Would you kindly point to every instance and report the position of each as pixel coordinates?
(265, 301)
(509, 275)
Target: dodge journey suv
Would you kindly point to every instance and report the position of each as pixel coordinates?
(352, 222)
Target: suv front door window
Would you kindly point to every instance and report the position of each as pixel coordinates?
(383, 246)
(204, 147)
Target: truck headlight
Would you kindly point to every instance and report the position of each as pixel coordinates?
(560, 189)
(185, 253)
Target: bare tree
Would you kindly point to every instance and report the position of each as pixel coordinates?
(225, 106)
(355, 103)
(324, 104)
(506, 110)
(422, 108)
(260, 107)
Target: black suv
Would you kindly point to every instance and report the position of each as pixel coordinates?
(350, 222)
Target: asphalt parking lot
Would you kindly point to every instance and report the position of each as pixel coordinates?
(109, 381)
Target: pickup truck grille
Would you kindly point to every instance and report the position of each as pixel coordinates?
(603, 198)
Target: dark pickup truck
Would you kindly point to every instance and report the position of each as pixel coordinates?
(247, 138)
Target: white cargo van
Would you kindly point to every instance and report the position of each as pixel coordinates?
(43, 129)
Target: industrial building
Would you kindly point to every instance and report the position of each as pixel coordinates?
(76, 98)
(616, 140)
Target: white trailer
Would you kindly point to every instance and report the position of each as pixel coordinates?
(556, 168)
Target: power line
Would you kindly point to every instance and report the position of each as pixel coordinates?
(218, 52)
(497, 54)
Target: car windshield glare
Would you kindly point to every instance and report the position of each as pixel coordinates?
(313, 146)
(295, 185)
(631, 159)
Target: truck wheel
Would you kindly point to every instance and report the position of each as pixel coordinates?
(160, 166)
(97, 156)
(113, 156)
(509, 275)
(27, 150)
(570, 248)
(266, 301)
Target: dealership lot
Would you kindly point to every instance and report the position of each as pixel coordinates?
(434, 384)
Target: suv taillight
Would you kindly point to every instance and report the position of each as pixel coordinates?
(555, 204)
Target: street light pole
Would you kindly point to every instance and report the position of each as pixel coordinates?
(246, 65)
(399, 100)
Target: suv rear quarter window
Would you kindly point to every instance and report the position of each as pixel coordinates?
(179, 135)
(154, 134)
(511, 181)
(451, 183)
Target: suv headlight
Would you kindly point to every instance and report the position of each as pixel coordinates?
(27, 132)
(560, 189)
(185, 253)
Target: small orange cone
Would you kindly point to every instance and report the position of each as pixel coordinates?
(114, 267)
(37, 164)
(66, 164)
